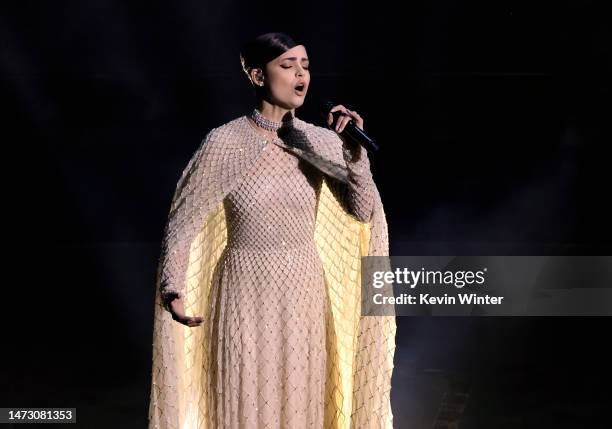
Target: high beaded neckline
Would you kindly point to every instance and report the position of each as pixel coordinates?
(266, 123)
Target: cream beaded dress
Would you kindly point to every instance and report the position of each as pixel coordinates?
(267, 316)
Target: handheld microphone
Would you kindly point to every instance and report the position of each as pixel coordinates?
(350, 131)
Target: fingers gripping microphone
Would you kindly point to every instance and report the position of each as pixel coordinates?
(350, 131)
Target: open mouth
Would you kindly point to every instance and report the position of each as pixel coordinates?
(300, 89)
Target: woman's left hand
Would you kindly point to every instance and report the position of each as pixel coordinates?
(347, 115)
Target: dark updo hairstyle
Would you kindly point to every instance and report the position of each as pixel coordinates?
(256, 53)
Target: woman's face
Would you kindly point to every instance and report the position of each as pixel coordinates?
(284, 74)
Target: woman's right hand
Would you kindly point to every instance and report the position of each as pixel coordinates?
(178, 313)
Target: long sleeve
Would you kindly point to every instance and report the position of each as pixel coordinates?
(178, 234)
(183, 223)
(359, 195)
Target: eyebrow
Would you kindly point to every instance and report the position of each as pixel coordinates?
(294, 58)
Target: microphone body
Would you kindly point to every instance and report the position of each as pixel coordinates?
(351, 131)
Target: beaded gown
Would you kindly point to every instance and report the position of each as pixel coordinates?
(268, 311)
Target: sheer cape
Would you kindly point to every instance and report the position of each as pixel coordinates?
(360, 349)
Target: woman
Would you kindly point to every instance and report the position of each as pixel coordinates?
(260, 268)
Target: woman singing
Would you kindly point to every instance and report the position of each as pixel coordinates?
(258, 319)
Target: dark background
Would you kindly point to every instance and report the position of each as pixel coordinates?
(493, 118)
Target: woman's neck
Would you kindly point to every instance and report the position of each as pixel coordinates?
(274, 112)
